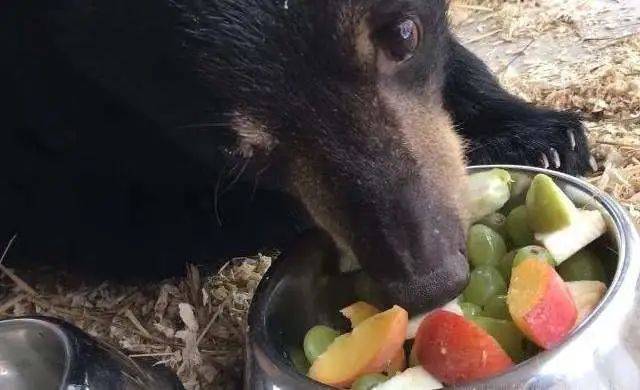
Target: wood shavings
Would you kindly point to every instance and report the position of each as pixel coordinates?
(137, 324)
(157, 320)
(11, 302)
(482, 36)
(564, 68)
(188, 317)
(21, 284)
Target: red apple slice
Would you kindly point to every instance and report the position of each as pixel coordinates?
(455, 350)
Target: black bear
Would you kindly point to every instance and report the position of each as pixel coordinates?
(149, 131)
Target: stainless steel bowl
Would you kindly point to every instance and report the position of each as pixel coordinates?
(304, 288)
(40, 353)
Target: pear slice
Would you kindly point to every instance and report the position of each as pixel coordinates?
(586, 226)
(412, 378)
(548, 208)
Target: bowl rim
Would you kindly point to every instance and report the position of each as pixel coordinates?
(256, 319)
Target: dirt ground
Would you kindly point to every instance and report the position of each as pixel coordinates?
(569, 54)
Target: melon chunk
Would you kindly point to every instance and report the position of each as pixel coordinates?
(366, 350)
(586, 226)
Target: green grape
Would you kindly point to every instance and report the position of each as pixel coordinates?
(497, 222)
(506, 264)
(506, 334)
(368, 382)
(299, 360)
(548, 207)
(497, 308)
(518, 227)
(470, 309)
(484, 283)
(484, 246)
(317, 340)
(584, 265)
(533, 252)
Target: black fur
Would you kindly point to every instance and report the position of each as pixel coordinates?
(500, 127)
(116, 141)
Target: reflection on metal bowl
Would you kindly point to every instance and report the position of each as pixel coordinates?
(39, 353)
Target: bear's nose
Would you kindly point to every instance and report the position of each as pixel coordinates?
(439, 280)
(419, 254)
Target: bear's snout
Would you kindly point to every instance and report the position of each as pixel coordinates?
(416, 248)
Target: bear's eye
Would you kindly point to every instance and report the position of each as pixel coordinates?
(399, 41)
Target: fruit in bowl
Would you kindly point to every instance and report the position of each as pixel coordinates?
(534, 278)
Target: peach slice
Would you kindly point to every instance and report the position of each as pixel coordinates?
(540, 303)
(397, 364)
(359, 312)
(456, 350)
(366, 350)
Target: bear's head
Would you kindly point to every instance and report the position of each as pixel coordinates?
(344, 99)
